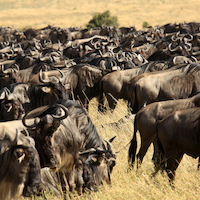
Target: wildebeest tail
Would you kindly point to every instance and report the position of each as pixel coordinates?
(132, 97)
(133, 146)
(161, 164)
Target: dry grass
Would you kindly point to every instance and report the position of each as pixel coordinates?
(129, 185)
(40, 13)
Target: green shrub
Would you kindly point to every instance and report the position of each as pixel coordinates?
(145, 24)
(103, 19)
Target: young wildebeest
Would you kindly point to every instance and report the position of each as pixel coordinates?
(178, 134)
(146, 120)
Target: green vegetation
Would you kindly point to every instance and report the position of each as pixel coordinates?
(145, 24)
(103, 19)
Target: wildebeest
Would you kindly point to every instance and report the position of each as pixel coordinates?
(18, 158)
(114, 85)
(82, 82)
(166, 85)
(178, 134)
(33, 96)
(10, 107)
(73, 134)
(9, 76)
(146, 120)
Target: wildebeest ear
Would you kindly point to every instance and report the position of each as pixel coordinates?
(56, 124)
(20, 155)
(94, 158)
(46, 89)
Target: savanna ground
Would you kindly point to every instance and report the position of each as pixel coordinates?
(72, 13)
(130, 185)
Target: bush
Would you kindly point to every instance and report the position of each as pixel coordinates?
(103, 19)
(145, 25)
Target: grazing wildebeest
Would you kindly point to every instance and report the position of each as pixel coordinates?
(146, 120)
(20, 168)
(178, 134)
(73, 134)
(177, 84)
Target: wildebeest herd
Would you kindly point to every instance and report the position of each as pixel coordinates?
(48, 77)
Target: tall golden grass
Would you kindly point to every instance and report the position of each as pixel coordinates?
(40, 13)
(132, 185)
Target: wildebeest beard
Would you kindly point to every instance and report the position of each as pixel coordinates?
(45, 148)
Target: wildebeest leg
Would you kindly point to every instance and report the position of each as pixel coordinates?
(84, 101)
(198, 166)
(79, 177)
(129, 110)
(71, 179)
(112, 101)
(158, 157)
(173, 162)
(146, 140)
(64, 184)
(142, 152)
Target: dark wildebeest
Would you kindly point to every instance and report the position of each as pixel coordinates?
(19, 161)
(167, 85)
(178, 134)
(73, 134)
(146, 120)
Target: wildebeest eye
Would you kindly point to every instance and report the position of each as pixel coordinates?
(19, 152)
(8, 107)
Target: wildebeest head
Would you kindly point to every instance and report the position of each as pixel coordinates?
(33, 96)
(9, 76)
(97, 166)
(15, 158)
(10, 107)
(45, 125)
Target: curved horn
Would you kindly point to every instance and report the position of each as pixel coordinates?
(188, 46)
(6, 71)
(107, 54)
(188, 39)
(59, 117)
(42, 79)
(195, 60)
(36, 121)
(174, 49)
(15, 68)
(52, 79)
(122, 59)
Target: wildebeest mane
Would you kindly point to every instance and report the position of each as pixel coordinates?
(183, 84)
(84, 123)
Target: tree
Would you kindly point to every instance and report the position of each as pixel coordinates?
(103, 19)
